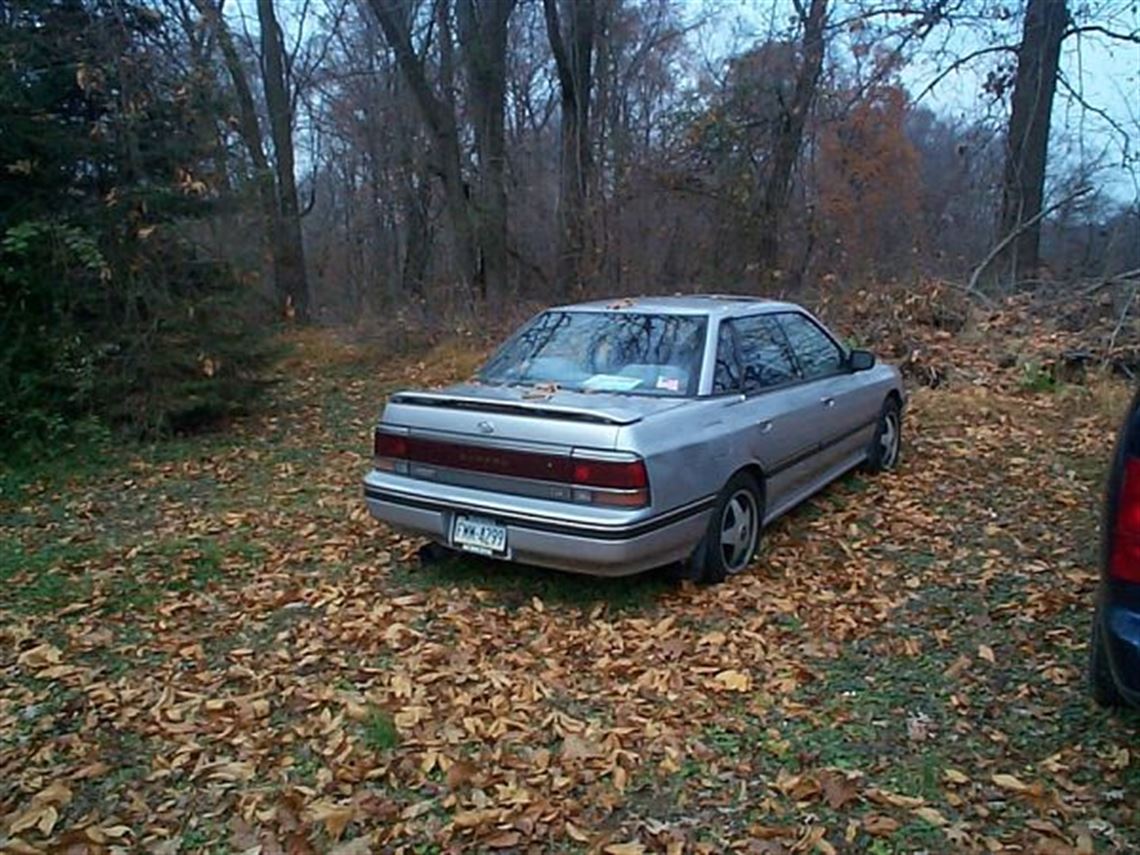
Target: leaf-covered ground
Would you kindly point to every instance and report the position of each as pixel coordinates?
(208, 646)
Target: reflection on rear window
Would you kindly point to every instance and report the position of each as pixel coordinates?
(635, 354)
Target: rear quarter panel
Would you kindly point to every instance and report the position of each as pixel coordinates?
(690, 452)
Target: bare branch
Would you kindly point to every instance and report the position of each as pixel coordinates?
(1098, 111)
(972, 285)
(959, 63)
(1103, 31)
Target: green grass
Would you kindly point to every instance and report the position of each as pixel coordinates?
(517, 585)
(380, 732)
(44, 579)
(1035, 378)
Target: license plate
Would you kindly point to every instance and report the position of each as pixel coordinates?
(479, 535)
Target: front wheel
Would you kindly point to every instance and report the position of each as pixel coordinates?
(730, 543)
(884, 453)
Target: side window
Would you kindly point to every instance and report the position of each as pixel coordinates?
(763, 352)
(726, 377)
(818, 355)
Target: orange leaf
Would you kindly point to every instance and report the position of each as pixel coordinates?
(504, 840)
(878, 825)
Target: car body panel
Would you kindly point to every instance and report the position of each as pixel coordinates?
(1117, 602)
(1120, 624)
(789, 437)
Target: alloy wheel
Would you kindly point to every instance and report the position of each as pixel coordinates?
(739, 525)
(889, 440)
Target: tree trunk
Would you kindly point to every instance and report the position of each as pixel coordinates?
(290, 252)
(483, 34)
(250, 131)
(789, 142)
(439, 116)
(1027, 144)
(573, 58)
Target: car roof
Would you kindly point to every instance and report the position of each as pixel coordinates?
(720, 305)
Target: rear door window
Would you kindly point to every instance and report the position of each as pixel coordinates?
(765, 358)
(727, 375)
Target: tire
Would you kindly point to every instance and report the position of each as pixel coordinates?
(733, 535)
(1101, 685)
(883, 455)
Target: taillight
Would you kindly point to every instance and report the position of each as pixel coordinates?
(618, 483)
(622, 475)
(1124, 561)
(389, 451)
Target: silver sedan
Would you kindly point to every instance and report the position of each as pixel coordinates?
(615, 436)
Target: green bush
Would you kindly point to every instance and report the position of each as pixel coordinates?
(111, 318)
(174, 343)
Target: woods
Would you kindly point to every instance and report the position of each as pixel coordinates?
(452, 162)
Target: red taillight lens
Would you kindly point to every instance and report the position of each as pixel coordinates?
(389, 445)
(616, 474)
(1124, 562)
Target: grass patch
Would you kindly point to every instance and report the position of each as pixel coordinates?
(380, 732)
(516, 585)
(43, 580)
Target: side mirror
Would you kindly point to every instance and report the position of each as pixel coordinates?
(861, 360)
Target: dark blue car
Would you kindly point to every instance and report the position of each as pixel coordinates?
(1114, 650)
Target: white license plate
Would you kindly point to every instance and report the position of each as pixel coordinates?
(479, 535)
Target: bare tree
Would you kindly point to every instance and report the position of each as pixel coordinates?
(1027, 144)
(438, 111)
(289, 252)
(483, 37)
(573, 51)
(276, 184)
(790, 135)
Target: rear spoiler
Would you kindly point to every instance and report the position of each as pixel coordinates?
(538, 408)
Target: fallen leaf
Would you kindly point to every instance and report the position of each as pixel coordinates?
(40, 657)
(459, 773)
(986, 652)
(1009, 782)
(878, 825)
(575, 747)
(476, 818)
(624, 849)
(837, 789)
(734, 681)
(953, 776)
(931, 815)
(334, 816)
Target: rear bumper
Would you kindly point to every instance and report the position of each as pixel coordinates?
(542, 533)
(1120, 623)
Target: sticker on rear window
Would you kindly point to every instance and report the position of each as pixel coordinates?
(669, 384)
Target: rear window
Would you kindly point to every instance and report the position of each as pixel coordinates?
(624, 352)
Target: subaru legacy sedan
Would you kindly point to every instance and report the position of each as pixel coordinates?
(612, 437)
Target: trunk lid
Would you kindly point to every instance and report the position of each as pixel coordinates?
(520, 414)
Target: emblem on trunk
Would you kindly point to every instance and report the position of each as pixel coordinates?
(485, 426)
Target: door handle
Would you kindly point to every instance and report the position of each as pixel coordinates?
(765, 427)
(827, 402)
